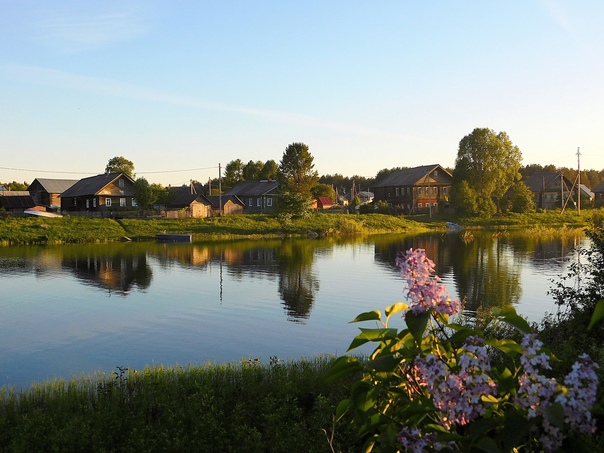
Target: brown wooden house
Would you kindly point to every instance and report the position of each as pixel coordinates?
(188, 203)
(599, 195)
(414, 190)
(101, 193)
(46, 192)
(549, 189)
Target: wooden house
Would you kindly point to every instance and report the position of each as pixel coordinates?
(257, 196)
(549, 189)
(414, 190)
(599, 195)
(100, 193)
(46, 192)
(15, 202)
(188, 203)
(229, 204)
(323, 203)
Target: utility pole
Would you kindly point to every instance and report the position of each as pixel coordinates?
(578, 181)
(219, 189)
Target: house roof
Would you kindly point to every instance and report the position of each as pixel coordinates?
(93, 184)
(253, 188)
(17, 202)
(599, 187)
(325, 201)
(586, 191)
(14, 193)
(543, 180)
(408, 176)
(215, 199)
(54, 185)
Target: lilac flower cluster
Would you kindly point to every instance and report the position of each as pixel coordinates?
(413, 440)
(537, 392)
(424, 290)
(458, 395)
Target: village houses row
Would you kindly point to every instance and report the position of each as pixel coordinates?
(412, 190)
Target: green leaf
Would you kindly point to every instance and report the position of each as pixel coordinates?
(374, 315)
(342, 408)
(384, 363)
(515, 429)
(367, 335)
(487, 444)
(554, 414)
(507, 346)
(396, 308)
(341, 367)
(417, 324)
(508, 314)
(598, 314)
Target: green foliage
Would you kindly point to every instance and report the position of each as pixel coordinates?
(281, 406)
(144, 194)
(323, 190)
(120, 164)
(296, 170)
(521, 198)
(14, 185)
(233, 173)
(464, 199)
(489, 163)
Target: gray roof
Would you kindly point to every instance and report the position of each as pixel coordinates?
(55, 185)
(14, 193)
(543, 180)
(253, 188)
(92, 184)
(599, 187)
(17, 202)
(408, 176)
(216, 199)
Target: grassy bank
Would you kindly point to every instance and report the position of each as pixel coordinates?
(213, 408)
(27, 230)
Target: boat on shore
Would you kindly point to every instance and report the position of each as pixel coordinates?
(174, 237)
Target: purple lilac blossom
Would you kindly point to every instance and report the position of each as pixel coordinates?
(424, 289)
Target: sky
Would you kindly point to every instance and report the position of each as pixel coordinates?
(181, 88)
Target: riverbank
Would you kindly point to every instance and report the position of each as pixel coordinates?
(247, 407)
(65, 230)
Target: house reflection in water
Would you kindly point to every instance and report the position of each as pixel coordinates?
(119, 272)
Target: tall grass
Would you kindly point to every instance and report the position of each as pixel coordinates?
(214, 408)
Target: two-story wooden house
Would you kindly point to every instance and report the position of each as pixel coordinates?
(414, 190)
(549, 189)
(104, 192)
(257, 196)
(47, 192)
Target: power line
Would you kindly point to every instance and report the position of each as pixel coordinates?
(93, 173)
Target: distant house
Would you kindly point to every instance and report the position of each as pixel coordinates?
(365, 196)
(100, 193)
(549, 189)
(46, 192)
(324, 203)
(187, 204)
(16, 202)
(257, 196)
(418, 189)
(599, 195)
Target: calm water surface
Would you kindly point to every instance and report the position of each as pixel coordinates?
(72, 310)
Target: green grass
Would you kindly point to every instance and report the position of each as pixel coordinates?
(212, 408)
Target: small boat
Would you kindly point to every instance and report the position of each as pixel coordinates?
(173, 237)
(453, 227)
(41, 213)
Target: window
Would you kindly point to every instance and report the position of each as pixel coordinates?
(94, 202)
(108, 202)
(419, 205)
(419, 191)
(398, 191)
(134, 203)
(251, 203)
(269, 201)
(259, 202)
(122, 202)
(120, 182)
(435, 205)
(408, 190)
(87, 204)
(444, 190)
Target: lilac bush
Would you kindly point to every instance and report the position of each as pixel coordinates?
(430, 385)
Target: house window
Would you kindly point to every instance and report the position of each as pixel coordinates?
(398, 191)
(122, 202)
(259, 202)
(120, 182)
(435, 205)
(94, 202)
(108, 202)
(269, 201)
(251, 203)
(444, 190)
(419, 191)
(134, 205)
(419, 205)
(408, 190)
(87, 204)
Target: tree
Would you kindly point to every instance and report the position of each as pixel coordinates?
(522, 199)
(269, 170)
(233, 173)
(324, 190)
(120, 164)
(489, 163)
(296, 170)
(251, 170)
(144, 194)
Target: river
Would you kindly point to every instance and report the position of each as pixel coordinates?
(79, 309)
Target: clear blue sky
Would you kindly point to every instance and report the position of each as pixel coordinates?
(178, 87)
